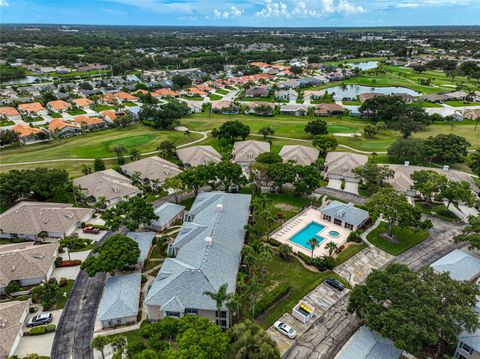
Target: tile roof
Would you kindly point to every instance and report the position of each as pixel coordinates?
(11, 314)
(31, 107)
(59, 105)
(8, 111)
(343, 163)
(144, 240)
(247, 151)
(166, 212)
(122, 95)
(110, 114)
(57, 124)
(153, 168)
(459, 264)
(199, 155)
(199, 265)
(167, 92)
(302, 155)
(346, 212)
(35, 217)
(368, 344)
(24, 130)
(108, 183)
(82, 102)
(25, 261)
(121, 297)
(89, 121)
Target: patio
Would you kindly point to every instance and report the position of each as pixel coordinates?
(300, 222)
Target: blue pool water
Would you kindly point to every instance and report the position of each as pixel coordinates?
(308, 232)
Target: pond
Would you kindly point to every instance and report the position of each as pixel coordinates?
(25, 80)
(364, 66)
(352, 91)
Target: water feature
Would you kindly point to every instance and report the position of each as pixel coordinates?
(352, 91)
(364, 66)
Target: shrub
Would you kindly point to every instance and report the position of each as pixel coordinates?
(58, 262)
(339, 249)
(271, 297)
(324, 263)
(37, 330)
(50, 328)
(32, 310)
(305, 258)
(12, 287)
(63, 282)
(61, 250)
(144, 279)
(354, 236)
(274, 242)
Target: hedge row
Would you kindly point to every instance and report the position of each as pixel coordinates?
(42, 329)
(271, 297)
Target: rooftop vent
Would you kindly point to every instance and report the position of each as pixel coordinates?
(13, 268)
(3, 322)
(115, 189)
(208, 241)
(407, 163)
(219, 207)
(445, 168)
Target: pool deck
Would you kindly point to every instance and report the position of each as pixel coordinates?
(303, 219)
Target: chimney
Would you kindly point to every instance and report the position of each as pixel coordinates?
(208, 241)
(407, 163)
(445, 168)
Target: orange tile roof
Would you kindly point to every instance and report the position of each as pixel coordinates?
(196, 91)
(141, 91)
(122, 95)
(58, 124)
(59, 105)
(9, 111)
(82, 102)
(166, 92)
(259, 64)
(108, 97)
(110, 114)
(89, 121)
(204, 87)
(24, 130)
(31, 107)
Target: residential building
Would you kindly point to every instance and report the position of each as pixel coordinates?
(368, 344)
(110, 185)
(225, 107)
(246, 152)
(294, 110)
(344, 215)
(288, 84)
(109, 115)
(167, 93)
(26, 134)
(435, 97)
(290, 95)
(88, 122)
(313, 94)
(193, 92)
(58, 106)
(120, 300)
(329, 109)
(472, 114)
(301, 155)
(33, 220)
(459, 265)
(340, 165)
(26, 263)
(145, 241)
(198, 155)
(260, 91)
(83, 102)
(207, 253)
(124, 96)
(32, 109)
(12, 319)
(62, 128)
(168, 214)
(260, 108)
(369, 95)
(10, 114)
(152, 169)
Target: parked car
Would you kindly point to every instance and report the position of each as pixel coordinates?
(335, 284)
(285, 329)
(91, 230)
(40, 319)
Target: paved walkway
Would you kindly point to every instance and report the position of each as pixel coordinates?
(365, 234)
(342, 195)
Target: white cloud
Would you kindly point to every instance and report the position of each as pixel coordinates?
(345, 6)
(3, 3)
(273, 9)
(407, 5)
(308, 8)
(233, 11)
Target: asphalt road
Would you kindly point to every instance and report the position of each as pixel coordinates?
(332, 330)
(75, 329)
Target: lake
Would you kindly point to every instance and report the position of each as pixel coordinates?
(25, 80)
(352, 91)
(364, 66)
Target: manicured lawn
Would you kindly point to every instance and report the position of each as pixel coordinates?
(461, 103)
(221, 91)
(4, 123)
(193, 98)
(349, 252)
(96, 144)
(76, 112)
(427, 104)
(150, 264)
(352, 103)
(99, 108)
(62, 294)
(301, 281)
(129, 103)
(53, 115)
(215, 97)
(437, 210)
(406, 238)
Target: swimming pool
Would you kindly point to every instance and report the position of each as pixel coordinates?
(334, 234)
(308, 232)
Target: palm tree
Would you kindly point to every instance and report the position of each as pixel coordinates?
(331, 246)
(69, 242)
(99, 344)
(119, 150)
(220, 296)
(119, 345)
(134, 154)
(313, 243)
(86, 170)
(284, 250)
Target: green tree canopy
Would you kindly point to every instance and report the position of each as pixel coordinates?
(415, 309)
(373, 175)
(115, 253)
(130, 213)
(412, 150)
(471, 233)
(447, 148)
(249, 341)
(231, 130)
(325, 143)
(269, 157)
(427, 183)
(316, 127)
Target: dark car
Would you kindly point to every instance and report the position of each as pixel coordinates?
(40, 319)
(335, 284)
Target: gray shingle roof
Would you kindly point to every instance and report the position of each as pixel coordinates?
(367, 344)
(166, 212)
(199, 155)
(144, 240)
(459, 264)
(345, 212)
(121, 297)
(199, 267)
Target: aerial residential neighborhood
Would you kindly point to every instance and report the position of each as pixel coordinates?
(295, 180)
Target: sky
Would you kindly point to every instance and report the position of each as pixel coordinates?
(255, 13)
